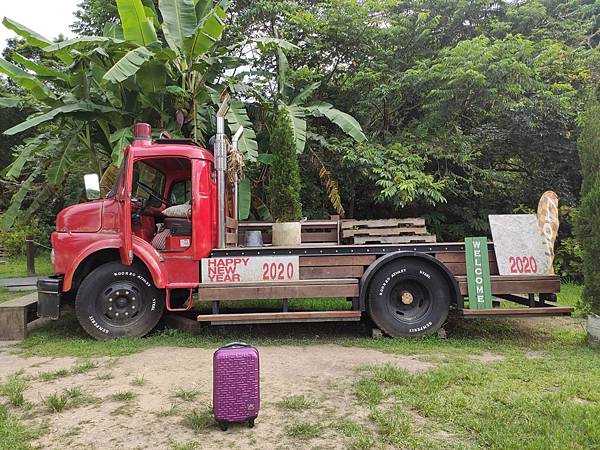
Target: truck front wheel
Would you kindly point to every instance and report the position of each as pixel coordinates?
(115, 300)
(409, 298)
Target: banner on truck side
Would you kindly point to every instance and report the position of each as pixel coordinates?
(240, 269)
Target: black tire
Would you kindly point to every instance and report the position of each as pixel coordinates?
(223, 425)
(115, 300)
(409, 297)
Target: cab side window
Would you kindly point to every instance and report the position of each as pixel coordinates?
(181, 192)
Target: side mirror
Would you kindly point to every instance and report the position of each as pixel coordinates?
(92, 186)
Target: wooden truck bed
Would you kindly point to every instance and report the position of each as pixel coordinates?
(336, 271)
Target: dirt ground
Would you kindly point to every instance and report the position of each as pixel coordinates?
(155, 416)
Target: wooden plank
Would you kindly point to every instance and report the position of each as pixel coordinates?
(458, 268)
(383, 223)
(13, 324)
(21, 302)
(324, 236)
(453, 257)
(325, 224)
(522, 284)
(304, 315)
(393, 239)
(384, 231)
(341, 260)
(322, 282)
(231, 238)
(541, 311)
(208, 294)
(316, 272)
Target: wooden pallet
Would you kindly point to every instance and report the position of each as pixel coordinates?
(386, 231)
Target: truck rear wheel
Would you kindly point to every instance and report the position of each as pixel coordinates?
(115, 300)
(409, 297)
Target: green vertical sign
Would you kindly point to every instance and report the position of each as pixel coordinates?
(478, 273)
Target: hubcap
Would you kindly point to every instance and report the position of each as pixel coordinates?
(407, 298)
(409, 301)
(120, 303)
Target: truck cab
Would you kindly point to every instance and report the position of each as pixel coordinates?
(119, 234)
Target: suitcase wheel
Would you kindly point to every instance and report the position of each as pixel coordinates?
(251, 423)
(223, 425)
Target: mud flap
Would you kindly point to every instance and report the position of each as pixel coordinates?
(49, 297)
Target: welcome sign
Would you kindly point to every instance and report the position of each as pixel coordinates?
(478, 273)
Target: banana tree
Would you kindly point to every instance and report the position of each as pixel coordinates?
(300, 108)
(163, 67)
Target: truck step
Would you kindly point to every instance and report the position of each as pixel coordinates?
(516, 312)
(280, 317)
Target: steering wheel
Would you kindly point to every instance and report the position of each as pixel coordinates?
(154, 194)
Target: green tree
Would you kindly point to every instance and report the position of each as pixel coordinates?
(588, 223)
(86, 96)
(588, 230)
(284, 182)
(93, 16)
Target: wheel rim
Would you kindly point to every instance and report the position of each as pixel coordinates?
(120, 303)
(409, 301)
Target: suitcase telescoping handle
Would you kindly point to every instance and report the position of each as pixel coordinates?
(236, 345)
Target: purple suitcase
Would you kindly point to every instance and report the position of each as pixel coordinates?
(236, 391)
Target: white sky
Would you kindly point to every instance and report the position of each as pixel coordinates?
(46, 17)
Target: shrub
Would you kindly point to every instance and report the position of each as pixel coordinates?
(284, 183)
(588, 233)
(13, 240)
(568, 261)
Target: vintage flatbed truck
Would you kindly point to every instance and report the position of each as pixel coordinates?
(121, 284)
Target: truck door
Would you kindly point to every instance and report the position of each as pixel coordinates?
(126, 248)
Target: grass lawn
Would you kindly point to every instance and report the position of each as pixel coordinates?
(527, 383)
(17, 267)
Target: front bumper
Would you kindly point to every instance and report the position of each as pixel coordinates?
(49, 296)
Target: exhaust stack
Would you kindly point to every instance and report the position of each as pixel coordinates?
(221, 166)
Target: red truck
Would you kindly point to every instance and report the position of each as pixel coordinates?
(121, 284)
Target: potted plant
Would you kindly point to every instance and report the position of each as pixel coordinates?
(284, 183)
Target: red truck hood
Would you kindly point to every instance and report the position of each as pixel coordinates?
(82, 218)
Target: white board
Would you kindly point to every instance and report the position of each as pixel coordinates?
(519, 246)
(239, 269)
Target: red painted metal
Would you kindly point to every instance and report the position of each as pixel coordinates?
(188, 305)
(124, 199)
(86, 229)
(83, 218)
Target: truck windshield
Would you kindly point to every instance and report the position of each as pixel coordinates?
(115, 184)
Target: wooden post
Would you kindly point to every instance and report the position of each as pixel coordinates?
(30, 255)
